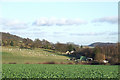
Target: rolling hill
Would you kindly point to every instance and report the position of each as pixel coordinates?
(100, 44)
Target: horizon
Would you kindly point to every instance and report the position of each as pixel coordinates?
(59, 42)
(82, 23)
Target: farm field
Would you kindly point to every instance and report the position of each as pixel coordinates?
(35, 56)
(58, 71)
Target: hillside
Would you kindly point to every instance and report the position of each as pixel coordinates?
(100, 44)
(8, 36)
(13, 54)
(17, 49)
(27, 56)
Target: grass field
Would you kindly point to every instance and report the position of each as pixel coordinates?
(58, 71)
(22, 56)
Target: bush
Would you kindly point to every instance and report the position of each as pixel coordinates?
(49, 63)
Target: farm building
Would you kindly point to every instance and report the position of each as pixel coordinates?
(69, 52)
(89, 59)
(83, 58)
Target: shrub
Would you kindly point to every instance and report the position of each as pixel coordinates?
(12, 62)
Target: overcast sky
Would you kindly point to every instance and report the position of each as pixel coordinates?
(80, 22)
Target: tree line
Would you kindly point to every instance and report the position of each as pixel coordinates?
(13, 40)
(109, 53)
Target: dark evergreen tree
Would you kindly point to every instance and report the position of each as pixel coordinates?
(11, 43)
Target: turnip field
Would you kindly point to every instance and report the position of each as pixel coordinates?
(59, 71)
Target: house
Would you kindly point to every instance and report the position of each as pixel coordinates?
(69, 52)
(72, 52)
(89, 59)
(105, 61)
(83, 58)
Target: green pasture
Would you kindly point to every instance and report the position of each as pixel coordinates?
(59, 71)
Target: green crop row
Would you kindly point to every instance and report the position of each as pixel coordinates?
(58, 71)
